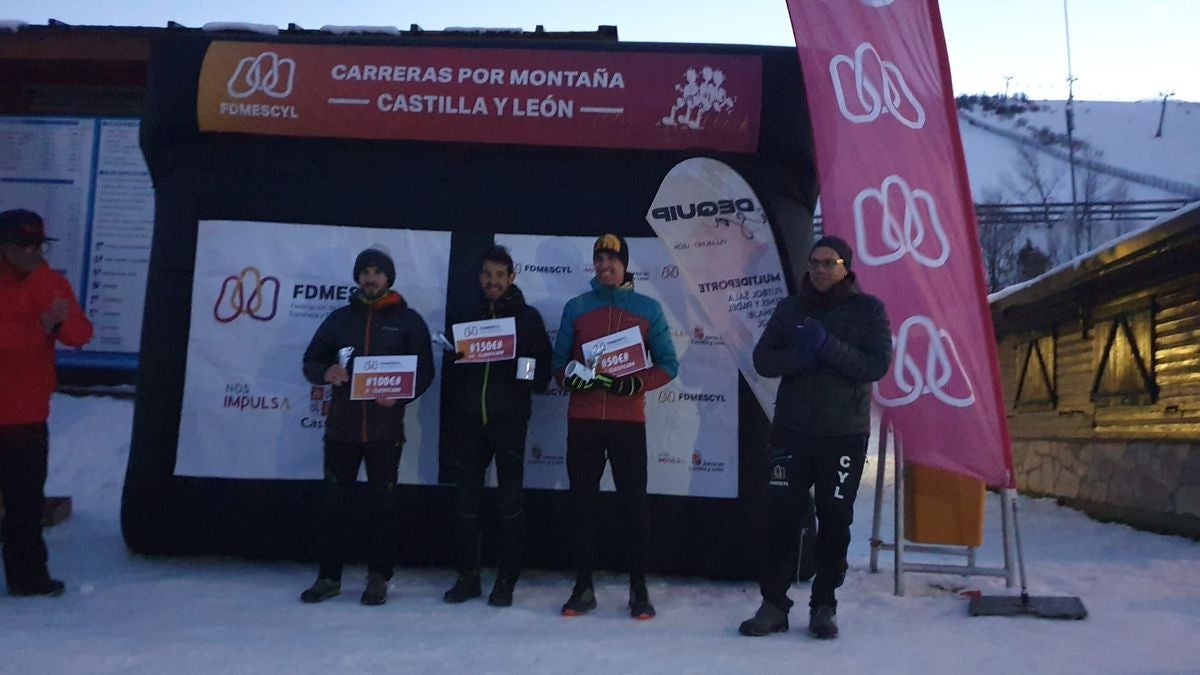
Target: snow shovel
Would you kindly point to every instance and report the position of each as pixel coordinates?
(1042, 607)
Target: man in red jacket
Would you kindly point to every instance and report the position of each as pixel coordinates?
(37, 309)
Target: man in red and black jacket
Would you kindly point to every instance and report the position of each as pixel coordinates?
(606, 418)
(491, 403)
(376, 322)
(37, 310)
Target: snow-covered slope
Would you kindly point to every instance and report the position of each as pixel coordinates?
(1123, 135)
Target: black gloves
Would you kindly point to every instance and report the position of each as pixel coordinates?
(628, 385)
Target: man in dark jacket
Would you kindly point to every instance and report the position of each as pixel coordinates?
(37, 310)
(490, 403)
(377, 322)
(828, 343)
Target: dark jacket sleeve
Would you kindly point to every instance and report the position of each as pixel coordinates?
(869, 358)
(422, 346)
(321, 352)
(539, 348)
(772, 356)
(564, 342)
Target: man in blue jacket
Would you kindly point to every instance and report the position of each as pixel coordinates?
(376, 322)
(829, 342)
(606, 418)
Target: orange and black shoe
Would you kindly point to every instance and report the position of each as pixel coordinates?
(582, 601)
(640, 606)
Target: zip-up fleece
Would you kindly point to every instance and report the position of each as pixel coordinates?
(483, 392)
(26, 349)
(603, 311)
(385, 327)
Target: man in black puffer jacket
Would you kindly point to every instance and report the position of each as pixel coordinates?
(828, 343)
(490, 404)
(377, 322)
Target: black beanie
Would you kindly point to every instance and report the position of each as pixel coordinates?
(838, 244)
(374, 257)
(615, 244)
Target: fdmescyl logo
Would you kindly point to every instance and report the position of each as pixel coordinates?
(544, 269)
(249, 293)
(672, 396)
(265, 74)
(702, 209)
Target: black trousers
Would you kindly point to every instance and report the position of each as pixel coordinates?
(503, 439)
(832, 466)
(382, 518)
(590, 443)
(24, 449)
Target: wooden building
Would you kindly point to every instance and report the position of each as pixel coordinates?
(1100, 361)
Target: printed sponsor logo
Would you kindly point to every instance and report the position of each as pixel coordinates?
(942, 367)
(672, 396)
(238, 396)
(699, 337)
(266, 73)
(668, 458)
(752, 280)
(904, 236)
(539, 457)
(890, 94)
(705, 466)
(705, 209)
(247, 293)
(543, 269)
(700, 94)
(340, 293)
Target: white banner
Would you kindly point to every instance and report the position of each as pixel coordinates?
(691, 423)
(259, 292)
(717, 233)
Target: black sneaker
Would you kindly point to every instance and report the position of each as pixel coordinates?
(376, 591)
(321, 590)
(582, 601)
(822, 622)
(48, 587)
(502, 591)
(464, 588)
(768, 619)
(640, 607)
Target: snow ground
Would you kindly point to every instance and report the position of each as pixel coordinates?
(126, 613)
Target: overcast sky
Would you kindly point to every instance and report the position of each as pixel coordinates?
(1120, 49)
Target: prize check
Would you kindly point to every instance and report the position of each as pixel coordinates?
(383, 377)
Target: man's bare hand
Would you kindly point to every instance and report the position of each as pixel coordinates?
(386, 402)
(336, 375)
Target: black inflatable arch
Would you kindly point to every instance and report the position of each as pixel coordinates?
(474, 191)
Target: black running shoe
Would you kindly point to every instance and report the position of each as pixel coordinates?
(376, 591)
(51, 588)
(822, 622)
(321, 590)
(768, 619)
(640, 607)
(465, 587)
(502, 591)
(582, 601)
